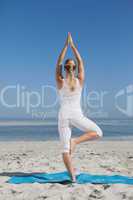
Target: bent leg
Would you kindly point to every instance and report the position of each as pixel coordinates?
(85, 124)
(92, 130)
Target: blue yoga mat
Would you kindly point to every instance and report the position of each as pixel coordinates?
(64, 177)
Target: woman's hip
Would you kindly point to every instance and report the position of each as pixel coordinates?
(68, 113)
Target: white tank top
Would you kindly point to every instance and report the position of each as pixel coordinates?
(70, 99)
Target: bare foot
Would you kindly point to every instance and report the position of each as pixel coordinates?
(72, 145)
(74, 179)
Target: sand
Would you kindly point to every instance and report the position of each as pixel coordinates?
(99, 157)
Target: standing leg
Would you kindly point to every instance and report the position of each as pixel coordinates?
(65, 136)
(68, 163)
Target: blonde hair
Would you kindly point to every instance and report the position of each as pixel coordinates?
(71, 80)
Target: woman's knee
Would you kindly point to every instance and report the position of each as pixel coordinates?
(99, 132)
(65, 147)
(65, 135)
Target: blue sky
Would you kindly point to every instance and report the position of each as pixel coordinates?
(32, 34)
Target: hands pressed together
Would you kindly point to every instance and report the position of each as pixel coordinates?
(69, 40)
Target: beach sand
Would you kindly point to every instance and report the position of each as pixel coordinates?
(96, 157)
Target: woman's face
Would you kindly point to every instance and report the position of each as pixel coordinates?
(69, 64)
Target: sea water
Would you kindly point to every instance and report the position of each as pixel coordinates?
(26, 130)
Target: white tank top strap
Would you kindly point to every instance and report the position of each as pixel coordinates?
(64, 82)
(78, 82)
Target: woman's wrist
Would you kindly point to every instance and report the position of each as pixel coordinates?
(72, 44)
(66, 44)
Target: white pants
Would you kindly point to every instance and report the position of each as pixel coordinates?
(67, 119)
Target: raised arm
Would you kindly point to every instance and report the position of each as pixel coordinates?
(79, 60)
(58, 73)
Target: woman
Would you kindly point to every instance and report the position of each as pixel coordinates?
(70, 112)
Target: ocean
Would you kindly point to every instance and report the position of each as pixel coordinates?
(34, 130)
